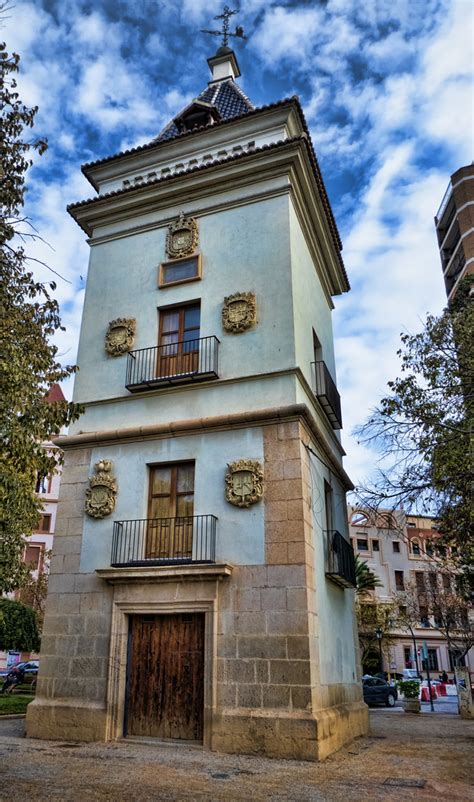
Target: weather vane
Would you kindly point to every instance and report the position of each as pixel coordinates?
(225, 33)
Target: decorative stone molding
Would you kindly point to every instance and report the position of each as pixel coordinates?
(182, 238)
(102, 490)
(244, 482)
(120, 336)
(239, 312)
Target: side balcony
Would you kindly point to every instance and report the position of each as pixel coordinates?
(173, 363)
(340, 560)
(164, 541)
(326, 392)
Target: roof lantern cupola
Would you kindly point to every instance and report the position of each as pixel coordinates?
(224, 64)
(223, 98)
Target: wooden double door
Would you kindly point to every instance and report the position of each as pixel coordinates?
(165, 676)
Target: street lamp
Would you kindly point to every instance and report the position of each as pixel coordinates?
(379, 636)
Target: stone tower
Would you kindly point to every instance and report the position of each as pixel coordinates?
(201, 585)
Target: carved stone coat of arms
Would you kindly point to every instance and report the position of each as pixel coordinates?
(182, 238)
(120, 336)
(244, 482)
(239, 312)
(102, 490)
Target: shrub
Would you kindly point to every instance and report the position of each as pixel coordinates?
(410, 688)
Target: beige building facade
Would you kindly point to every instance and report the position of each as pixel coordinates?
(202, 580)
(397, 548)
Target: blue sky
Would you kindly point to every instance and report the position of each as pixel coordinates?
(387, 90)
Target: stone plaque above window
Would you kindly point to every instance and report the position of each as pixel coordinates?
(244, 483)
(239, 312)
(182, 238)
(120, 336)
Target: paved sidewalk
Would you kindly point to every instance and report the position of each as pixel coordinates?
(401, 748)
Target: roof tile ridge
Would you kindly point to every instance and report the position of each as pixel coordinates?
(154, 142)
(193, 169)
(244, 97)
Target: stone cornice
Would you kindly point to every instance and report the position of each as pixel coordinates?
(291, 158)
(260, 417)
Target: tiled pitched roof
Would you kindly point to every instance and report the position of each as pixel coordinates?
(226, 96)
(55, 394)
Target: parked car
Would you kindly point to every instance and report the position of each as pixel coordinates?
(377, 691)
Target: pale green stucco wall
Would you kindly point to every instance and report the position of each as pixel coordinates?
(246, 248)
(240, 532)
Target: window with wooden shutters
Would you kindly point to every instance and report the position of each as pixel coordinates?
(179, 332)
(399, 580)
(33, 557)
(44, 524)
(170, 511)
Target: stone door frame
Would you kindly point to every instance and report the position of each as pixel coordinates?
(117, 677)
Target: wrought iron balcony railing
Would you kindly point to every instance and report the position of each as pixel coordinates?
(164, 541)
(340, 560)
(327, 394)
(181, 362)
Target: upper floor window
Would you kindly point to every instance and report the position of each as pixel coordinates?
(43, 483)
(362, 544)
(180, 270)
(33, 556)
(415, 548)
(446, 583)
(399, 580)
(44, 524)
(375, 545)
(359, 519)
(170, 509)
(396, 546)
(179, 333)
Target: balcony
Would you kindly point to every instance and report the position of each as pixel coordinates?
(340, 560)
(164, 541)
(455, 268)
(327, 394)
(174, 363)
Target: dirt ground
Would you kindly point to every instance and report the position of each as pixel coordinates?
(434, 748)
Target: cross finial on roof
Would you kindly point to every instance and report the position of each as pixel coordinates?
(225, 33)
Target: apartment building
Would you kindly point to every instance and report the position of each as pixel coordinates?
(398, 549)
(454, 223)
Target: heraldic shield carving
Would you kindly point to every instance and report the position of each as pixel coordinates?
(182, 238)
(244, 482)
(100, 495)
(239, 312)
(120, 336)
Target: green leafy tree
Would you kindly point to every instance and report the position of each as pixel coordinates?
(423, 430)
(29, 317)
(18, 627)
